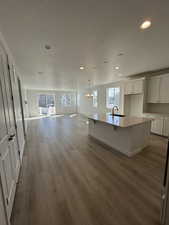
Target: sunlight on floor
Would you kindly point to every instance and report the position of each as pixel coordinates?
(40, 117)
(72, 115)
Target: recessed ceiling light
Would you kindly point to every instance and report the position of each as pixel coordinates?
(105, 61)
(47, 47)
(117, 67)
(82, 68)
(120, 54)
(146, 24)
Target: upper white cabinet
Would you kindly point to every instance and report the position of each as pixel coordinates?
(153, 90)
(133, 87)
(157, 89)
(164, 89)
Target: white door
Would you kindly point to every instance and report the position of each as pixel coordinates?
(164, 92)
(153, 90)
(3, 218)
(18, 112)
(9, 157)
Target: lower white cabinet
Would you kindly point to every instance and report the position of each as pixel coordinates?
(166, 126)
(157, 126)
(160, 126)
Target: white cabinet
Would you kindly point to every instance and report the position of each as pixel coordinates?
(158, 89)
(153, 90)
(166, 126)
(138, 86)
(157, 126)
(128, 88)
(160, 125)
(134, 87)
(164, 89)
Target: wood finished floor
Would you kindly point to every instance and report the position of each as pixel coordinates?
(68, 179)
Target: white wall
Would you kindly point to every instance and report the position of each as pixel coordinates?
(32, 98)
(85, 105)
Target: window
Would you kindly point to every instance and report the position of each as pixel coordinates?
(113, 97)
(95, 98)
(42, 101)
(66, 100)
(46, 104)
(46, 101)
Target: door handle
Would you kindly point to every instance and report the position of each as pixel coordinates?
(11, 137)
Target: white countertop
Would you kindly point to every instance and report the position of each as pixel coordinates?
(118, 121)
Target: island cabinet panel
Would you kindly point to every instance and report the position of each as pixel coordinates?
(127, 135)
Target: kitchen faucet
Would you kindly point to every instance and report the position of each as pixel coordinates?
(113, 109)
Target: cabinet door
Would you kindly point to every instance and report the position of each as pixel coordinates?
(153, 90)
(166, 127)
(137, 86)
(128, 88)
(157, 126)
(164, 89)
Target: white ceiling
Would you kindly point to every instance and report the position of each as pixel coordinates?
(84, 32)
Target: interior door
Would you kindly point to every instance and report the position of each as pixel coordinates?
(9, 157)
(17, 110)
(165, 193)
(3, 218)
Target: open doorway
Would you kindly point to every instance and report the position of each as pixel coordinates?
(46, 104)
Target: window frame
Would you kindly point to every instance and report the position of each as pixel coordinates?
(64, 101)
(108, 105)
(95, 97)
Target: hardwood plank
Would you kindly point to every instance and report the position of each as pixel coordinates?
(69, 179)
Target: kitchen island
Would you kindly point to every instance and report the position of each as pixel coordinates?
(129, 135)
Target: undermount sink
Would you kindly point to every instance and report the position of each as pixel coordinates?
(116, 114)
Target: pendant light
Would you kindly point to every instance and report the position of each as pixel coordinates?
(89, 94)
